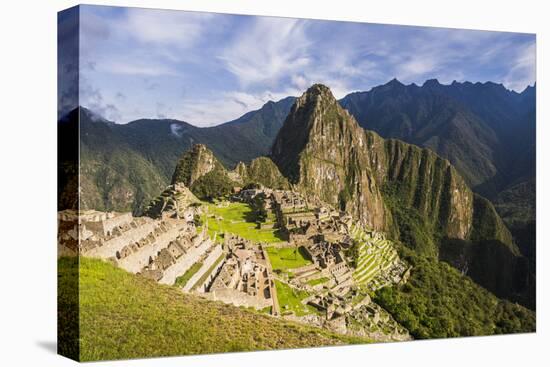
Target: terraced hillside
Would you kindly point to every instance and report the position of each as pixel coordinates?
(126, 316)
(375, 257)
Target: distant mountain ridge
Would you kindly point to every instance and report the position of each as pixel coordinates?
(126, 166)
(324, 152)
(485, 130)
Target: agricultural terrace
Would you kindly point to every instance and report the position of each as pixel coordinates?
(314, 282)
(181, 281)
(374, 255)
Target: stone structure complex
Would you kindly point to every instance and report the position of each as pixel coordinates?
(338, 283)
(245, 278)
(345, 261)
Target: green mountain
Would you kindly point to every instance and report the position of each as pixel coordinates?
(124, 316)
(163, 141)
(196, 163)
(123, 167)
(199, 169)
(392, 186)
(113, 175)
(439, 302)
(205, 176)
(486, 131)
(262, 171)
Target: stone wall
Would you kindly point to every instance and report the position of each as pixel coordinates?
(207, 263)
(201, 288)
(187, 260)
(110, 247)
(116, 221)
(137, 260)
(276, 310)
(238, 298)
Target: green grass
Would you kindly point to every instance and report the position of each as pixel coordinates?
(287, 258)
(292, 298)
(266, 310)
(210, 270)
(181, 281)
(123, 316)
(314, 282)
(239, 219)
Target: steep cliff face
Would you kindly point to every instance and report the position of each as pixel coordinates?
(321, 150)
(195, 163)
(328, 156)
(424, 181)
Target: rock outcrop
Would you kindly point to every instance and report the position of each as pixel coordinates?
(206, 177)
(195, 163)
(173, 201)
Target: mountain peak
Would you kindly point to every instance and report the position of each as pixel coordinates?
(86, 113)
(394, 82)
(195, 163)
(315, 97)
(431, 83)
(318, 88)
(314, 114)
(316, 92)
(391, 86)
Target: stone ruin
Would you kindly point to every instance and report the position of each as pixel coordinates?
(244, 279)
(238, 271)
(160, 249)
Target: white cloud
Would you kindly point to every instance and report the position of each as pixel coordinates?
(92, 98)
(269, 49)
(417, 66)
(171, 27)
(136, 68)
(299, 81)
(227, 107)
(230, 65)
(523, 71)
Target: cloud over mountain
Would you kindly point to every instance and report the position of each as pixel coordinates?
(224, 62)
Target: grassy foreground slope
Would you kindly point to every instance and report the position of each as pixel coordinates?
(126, 316)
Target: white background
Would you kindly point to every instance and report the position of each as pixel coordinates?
(28, 182)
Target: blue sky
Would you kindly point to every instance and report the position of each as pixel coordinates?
(208, 68)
